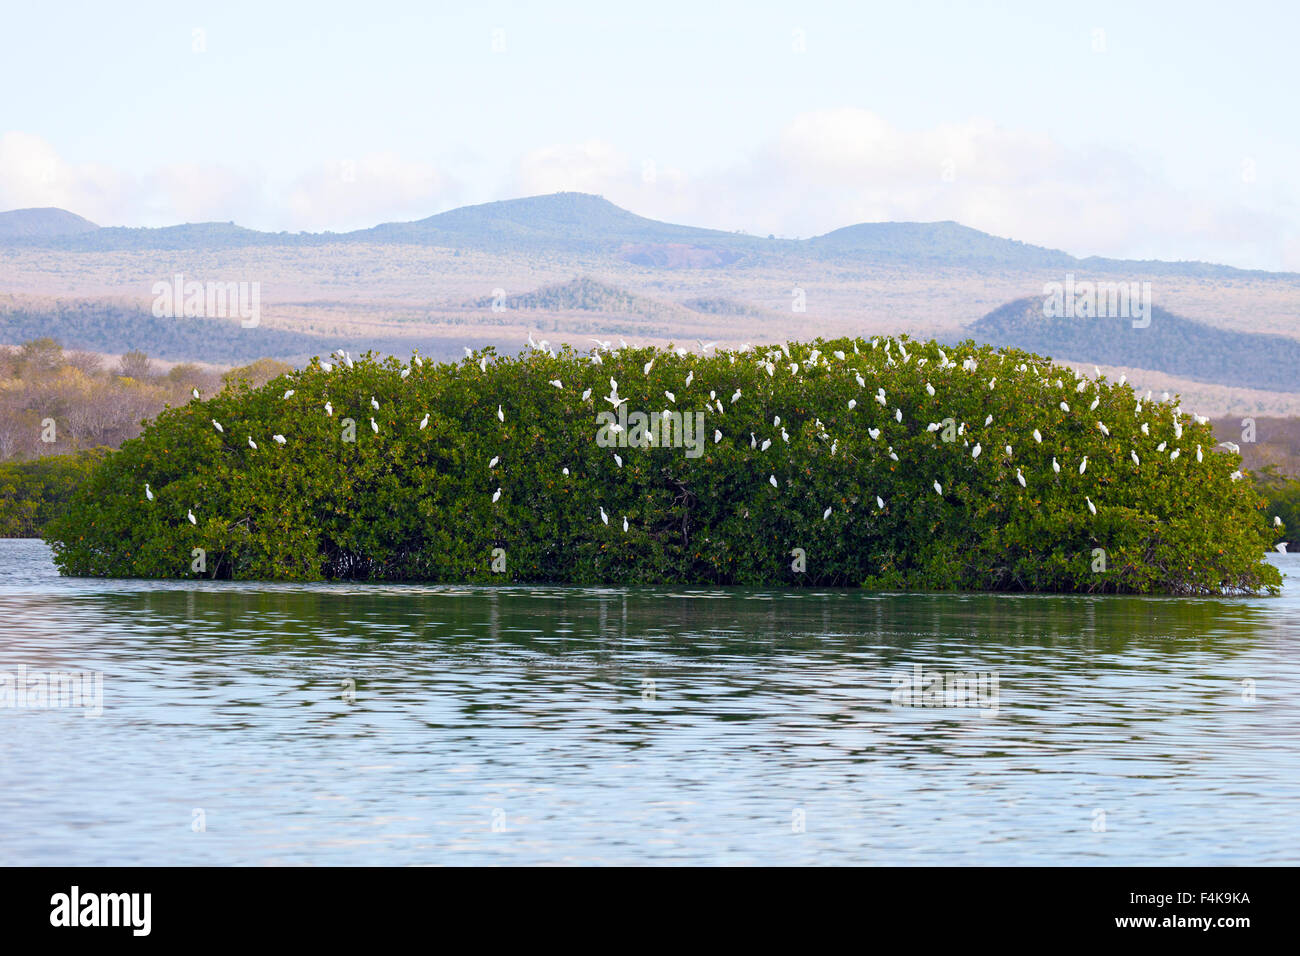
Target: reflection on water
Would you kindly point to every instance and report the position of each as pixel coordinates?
(408, 724)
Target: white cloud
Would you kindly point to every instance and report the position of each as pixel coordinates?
(358, 193)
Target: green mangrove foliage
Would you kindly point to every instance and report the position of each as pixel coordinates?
(888, 464)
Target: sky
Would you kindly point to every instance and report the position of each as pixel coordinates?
(1137, 130)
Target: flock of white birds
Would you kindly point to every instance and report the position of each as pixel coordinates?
(779, 357)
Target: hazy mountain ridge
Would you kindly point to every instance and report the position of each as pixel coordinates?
(42, 223)
(579, 223)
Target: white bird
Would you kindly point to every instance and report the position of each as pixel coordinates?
(218, 425)
(938, 488)
(1146, 428)
(1056, 467)
(670, 396)
(1134, 456)
(1083, 465)
(1231, 446)
(767, 443)
(279, 439)
(826, 514)
(929, 388)
(874, 433)
(496, 496)
(1008, 448)
(347, 360)
(1236, 475)
(717, 436)
(148, 493)
(753, 442)
(1064, 407)
(288, 394)
(898, 414)
(988, 421)
(933, 427)
(329, 409)
(772, 479)
(1038, 437)
(618, 459)
(1161, 446)
(1095, 402)
(604, 517)
(735, 397)
(648, 366)
(853, 403)
(1104, 430)
(501, 416)
(975, 452)
(194, 392)
(424, 422)
(252, 444)
(494, 461)
(1173, 456)
(1020, 478)
(1199, 456)
(190, 514)
(880, 396)
(1281, 547)
(625, 522)
(374, 426)
(564, 470)
(586, 395)
(1091, 506)
(880, 502)
(1277, 519)
(690, 377)
(326, 367)
(374, 404)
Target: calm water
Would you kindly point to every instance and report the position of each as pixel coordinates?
(540, 725)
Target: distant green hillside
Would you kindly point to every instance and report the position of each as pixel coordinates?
(585, 294)
(1170, 344)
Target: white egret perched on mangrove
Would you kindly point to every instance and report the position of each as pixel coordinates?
(218, 425)
(279, 439)
(190, 514)
(148, 493)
